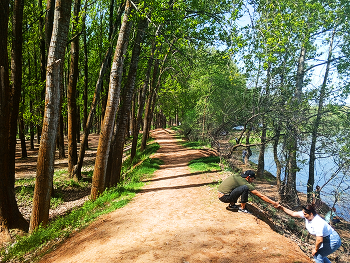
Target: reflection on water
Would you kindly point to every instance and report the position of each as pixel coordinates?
(325, 168)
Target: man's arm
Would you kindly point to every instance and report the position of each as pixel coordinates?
(264, 198)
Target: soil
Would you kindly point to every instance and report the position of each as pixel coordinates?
(177, 217)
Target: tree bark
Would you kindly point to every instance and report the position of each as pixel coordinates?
(72, 90)
(275, 157)
(148, 110)
(316, 124)
(125, 106)
(10, 217)
(142, 100)
(289, 193)
(45, 166)
(98, 88)
(103, 148)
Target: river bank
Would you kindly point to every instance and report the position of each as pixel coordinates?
(325, 167)
(287, 226)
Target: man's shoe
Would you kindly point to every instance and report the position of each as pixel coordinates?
(232, 208)
(243, 210)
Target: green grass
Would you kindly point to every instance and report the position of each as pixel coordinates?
(205, 164)
(26, 247)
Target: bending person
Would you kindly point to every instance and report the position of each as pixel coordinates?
(236, 186)
(327, 239)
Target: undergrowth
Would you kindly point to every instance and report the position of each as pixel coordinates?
(30, 247)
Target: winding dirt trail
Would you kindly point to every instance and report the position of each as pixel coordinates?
(177, 218)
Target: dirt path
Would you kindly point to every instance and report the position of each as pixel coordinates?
(177, 218)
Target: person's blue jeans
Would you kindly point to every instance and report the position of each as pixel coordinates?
(330, 244)
(232, 198)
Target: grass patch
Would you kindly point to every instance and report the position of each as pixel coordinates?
(30, 247)
(204, 164)
(195, 144)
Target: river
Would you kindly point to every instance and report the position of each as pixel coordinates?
(325, 167)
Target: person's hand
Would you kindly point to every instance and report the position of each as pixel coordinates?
(277, 205)
(313, 252)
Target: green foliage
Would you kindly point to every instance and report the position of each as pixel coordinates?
(291, 224)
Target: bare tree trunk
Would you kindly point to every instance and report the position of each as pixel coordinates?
(45, 167)
(10, 217)
(148, 110)
(98, 88)
(142, 99)
(61, 150)
(98, 183)
(316, 124)
(50, 11)
(86, 83)
(275, 157)
(124, 108)
(289, 194)
(72, 90)
(22, 133)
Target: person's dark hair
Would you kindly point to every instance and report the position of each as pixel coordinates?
(310, 209)
(248, 173)
(318, 187)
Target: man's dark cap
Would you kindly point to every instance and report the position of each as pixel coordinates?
(249, 173)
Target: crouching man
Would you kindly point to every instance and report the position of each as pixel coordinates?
(236, 186)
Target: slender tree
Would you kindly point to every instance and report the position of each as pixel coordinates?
(10, 217)
(45, 166)
(125, 106)
(72, 92)
(98, 182)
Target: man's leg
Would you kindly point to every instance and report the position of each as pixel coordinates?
(241, 191)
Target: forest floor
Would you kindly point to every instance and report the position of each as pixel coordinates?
(176, 217)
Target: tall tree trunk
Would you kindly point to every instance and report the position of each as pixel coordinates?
(22, 133)
(61, 150)
(72, 90)
(148, 110)
(316, 124)
(125, 106)
(50, 11)
(275, 156)
(98, 182)
(142, 99)
(10, 217)
(289, 194)
(86, 82)
(95, 100)
(31, 127)
(45, 166)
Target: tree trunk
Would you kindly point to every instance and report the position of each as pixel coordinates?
(316, 124)
(72, 90)
(142, 99)
(289, 194)
(50, 11)
(31, 127)
(275, 157)
(261, 158)
(10, 217)
(61, 150)
(124, 108)
(45, 166)
(22, 135)
(148, 110)
(98, 182)
(95, 100)
(86, 84)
